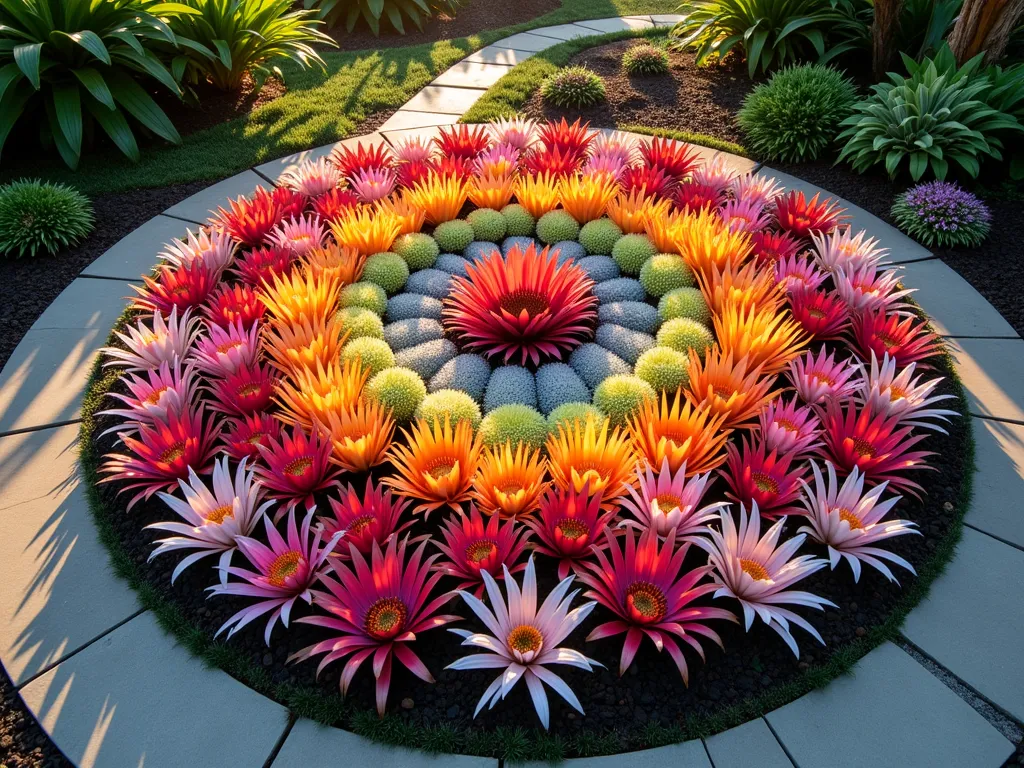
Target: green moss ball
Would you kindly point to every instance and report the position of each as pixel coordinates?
(631, 251)
(453, 236)
(684, 334)
(684, 302)
(400, 389)
(361, 322)
(599, 236)
(454, 403)
(388, 270)
(663, 368)
(514, 423)
(664, 272)
(568, 413)
(488, 225)
(420, 251)
(519, 222)
(555, 226)
(372, 353)
(364, 294)
(618, 396)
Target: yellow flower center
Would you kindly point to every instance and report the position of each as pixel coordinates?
(440, 467)
(220, 514)
(823, 378)
(765, 483)
(571, 528)
(646, 600)
(668, 501)
(509, 487)
(852, 519)
(173, 453)
(359, 524)
(864, 448)
(283, 567)
(887, 340)
(228, 346)
(787, 425)
(248, 390)
(525, 639)
(897, 393)
(815, 313)
(299, 466)
(755, 570)
(480, 550)
(155, 395)
(386, 618)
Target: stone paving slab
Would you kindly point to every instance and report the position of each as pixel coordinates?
(972, 623)
(59, 592)
(309, 744)
(525, 41)
(955, 308)
(87, 303)
(452, 101)
(423, 134)
(135, 253)
(275, 168)
(472, 74)
(563, 32)
(992, 371)
(889, 712)
(44, 379)
(492, 54)
(666, 19)
(134, 699)
(901, 248)
(735, 748)
(403, 120)
(604, 26)
(998, 480)
(202, 205)
(689, 754)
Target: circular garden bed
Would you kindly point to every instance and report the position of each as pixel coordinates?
(534, 348)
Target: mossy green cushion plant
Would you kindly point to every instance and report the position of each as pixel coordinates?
(400, 389)
(360, 321)
(664, 272)
(684, 302)
(631, 252)
(620, 395)
(453, 236)
(663, 368)
(556, 226)
(519, 222)
(567, 414)
(364, 294)
(41, 218)
(488, 225)
(388, 270)
(453, 403)
(598, 237)
(514, 423)
(795, 116)
(420, 251)
(645, 59)
(684, 334)
(373, 354)
(573, 87)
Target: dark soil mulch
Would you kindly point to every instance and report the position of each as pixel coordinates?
(23, 743)
(28, 286)
(473, 17)
(650, 692)
(213, 106)
(702, 100)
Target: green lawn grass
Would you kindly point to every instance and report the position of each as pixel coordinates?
(319, 108)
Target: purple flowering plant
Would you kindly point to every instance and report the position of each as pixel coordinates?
(941, 213)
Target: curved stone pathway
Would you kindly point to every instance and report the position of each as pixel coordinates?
(112, 689)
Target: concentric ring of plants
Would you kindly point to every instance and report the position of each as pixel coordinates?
(529, 427)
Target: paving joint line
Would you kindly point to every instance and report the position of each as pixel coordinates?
(433, 84)
(78, 650)
(1001, 419)
(704, 743)
(181, 218)
(991, 338)
(263, 176)
(781, 742)
(1009, 726)
(1000, 539)
(106, 277)
(40, 428)
(279, 744)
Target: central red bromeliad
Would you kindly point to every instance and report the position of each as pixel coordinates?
(523, 307)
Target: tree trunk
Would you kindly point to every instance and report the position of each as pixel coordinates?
(883, 35)
(984, 25)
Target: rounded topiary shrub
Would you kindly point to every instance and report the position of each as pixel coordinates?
(373, 354)
(619, 396)
(364, 294)
(38, 217)
(645, 59)
(684, 334)
(556, 226)
(419, 250)
(573, 87)
(457, 405)
(400, 389)
(514, 423)
(388, 270)
(796, 114)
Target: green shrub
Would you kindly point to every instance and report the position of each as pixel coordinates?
(573, 87)
(933, 117)
(942, 214)
(796, 114)
(69, 65)
(394, 12)
(37, 216)
(769, 32)
(645, 59)
(232, 37)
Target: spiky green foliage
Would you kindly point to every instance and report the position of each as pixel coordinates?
(360, 321)
(619, 396)
(573, 87)
(488, 225)
(453, 403)
(645, 59)
(663, 368)
(514, 423)
(373, 354)
(388, 270)
(631, 252)
(519, 222)
(599, 236)
(795, 116)
(364, 294)
(38, 217)
(400, 389)
(453, 236)
(555, 226)
(420, 251)
(567, 413)
(664, 272)
(378, 14)
(684, 302)
(684, 334)
(927, 121)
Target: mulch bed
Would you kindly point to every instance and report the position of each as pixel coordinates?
(23, 743)
(213, 106)
(473, 17)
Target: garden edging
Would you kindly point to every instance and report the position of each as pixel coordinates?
(111, 687)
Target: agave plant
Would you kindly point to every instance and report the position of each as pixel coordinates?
(80, 62)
